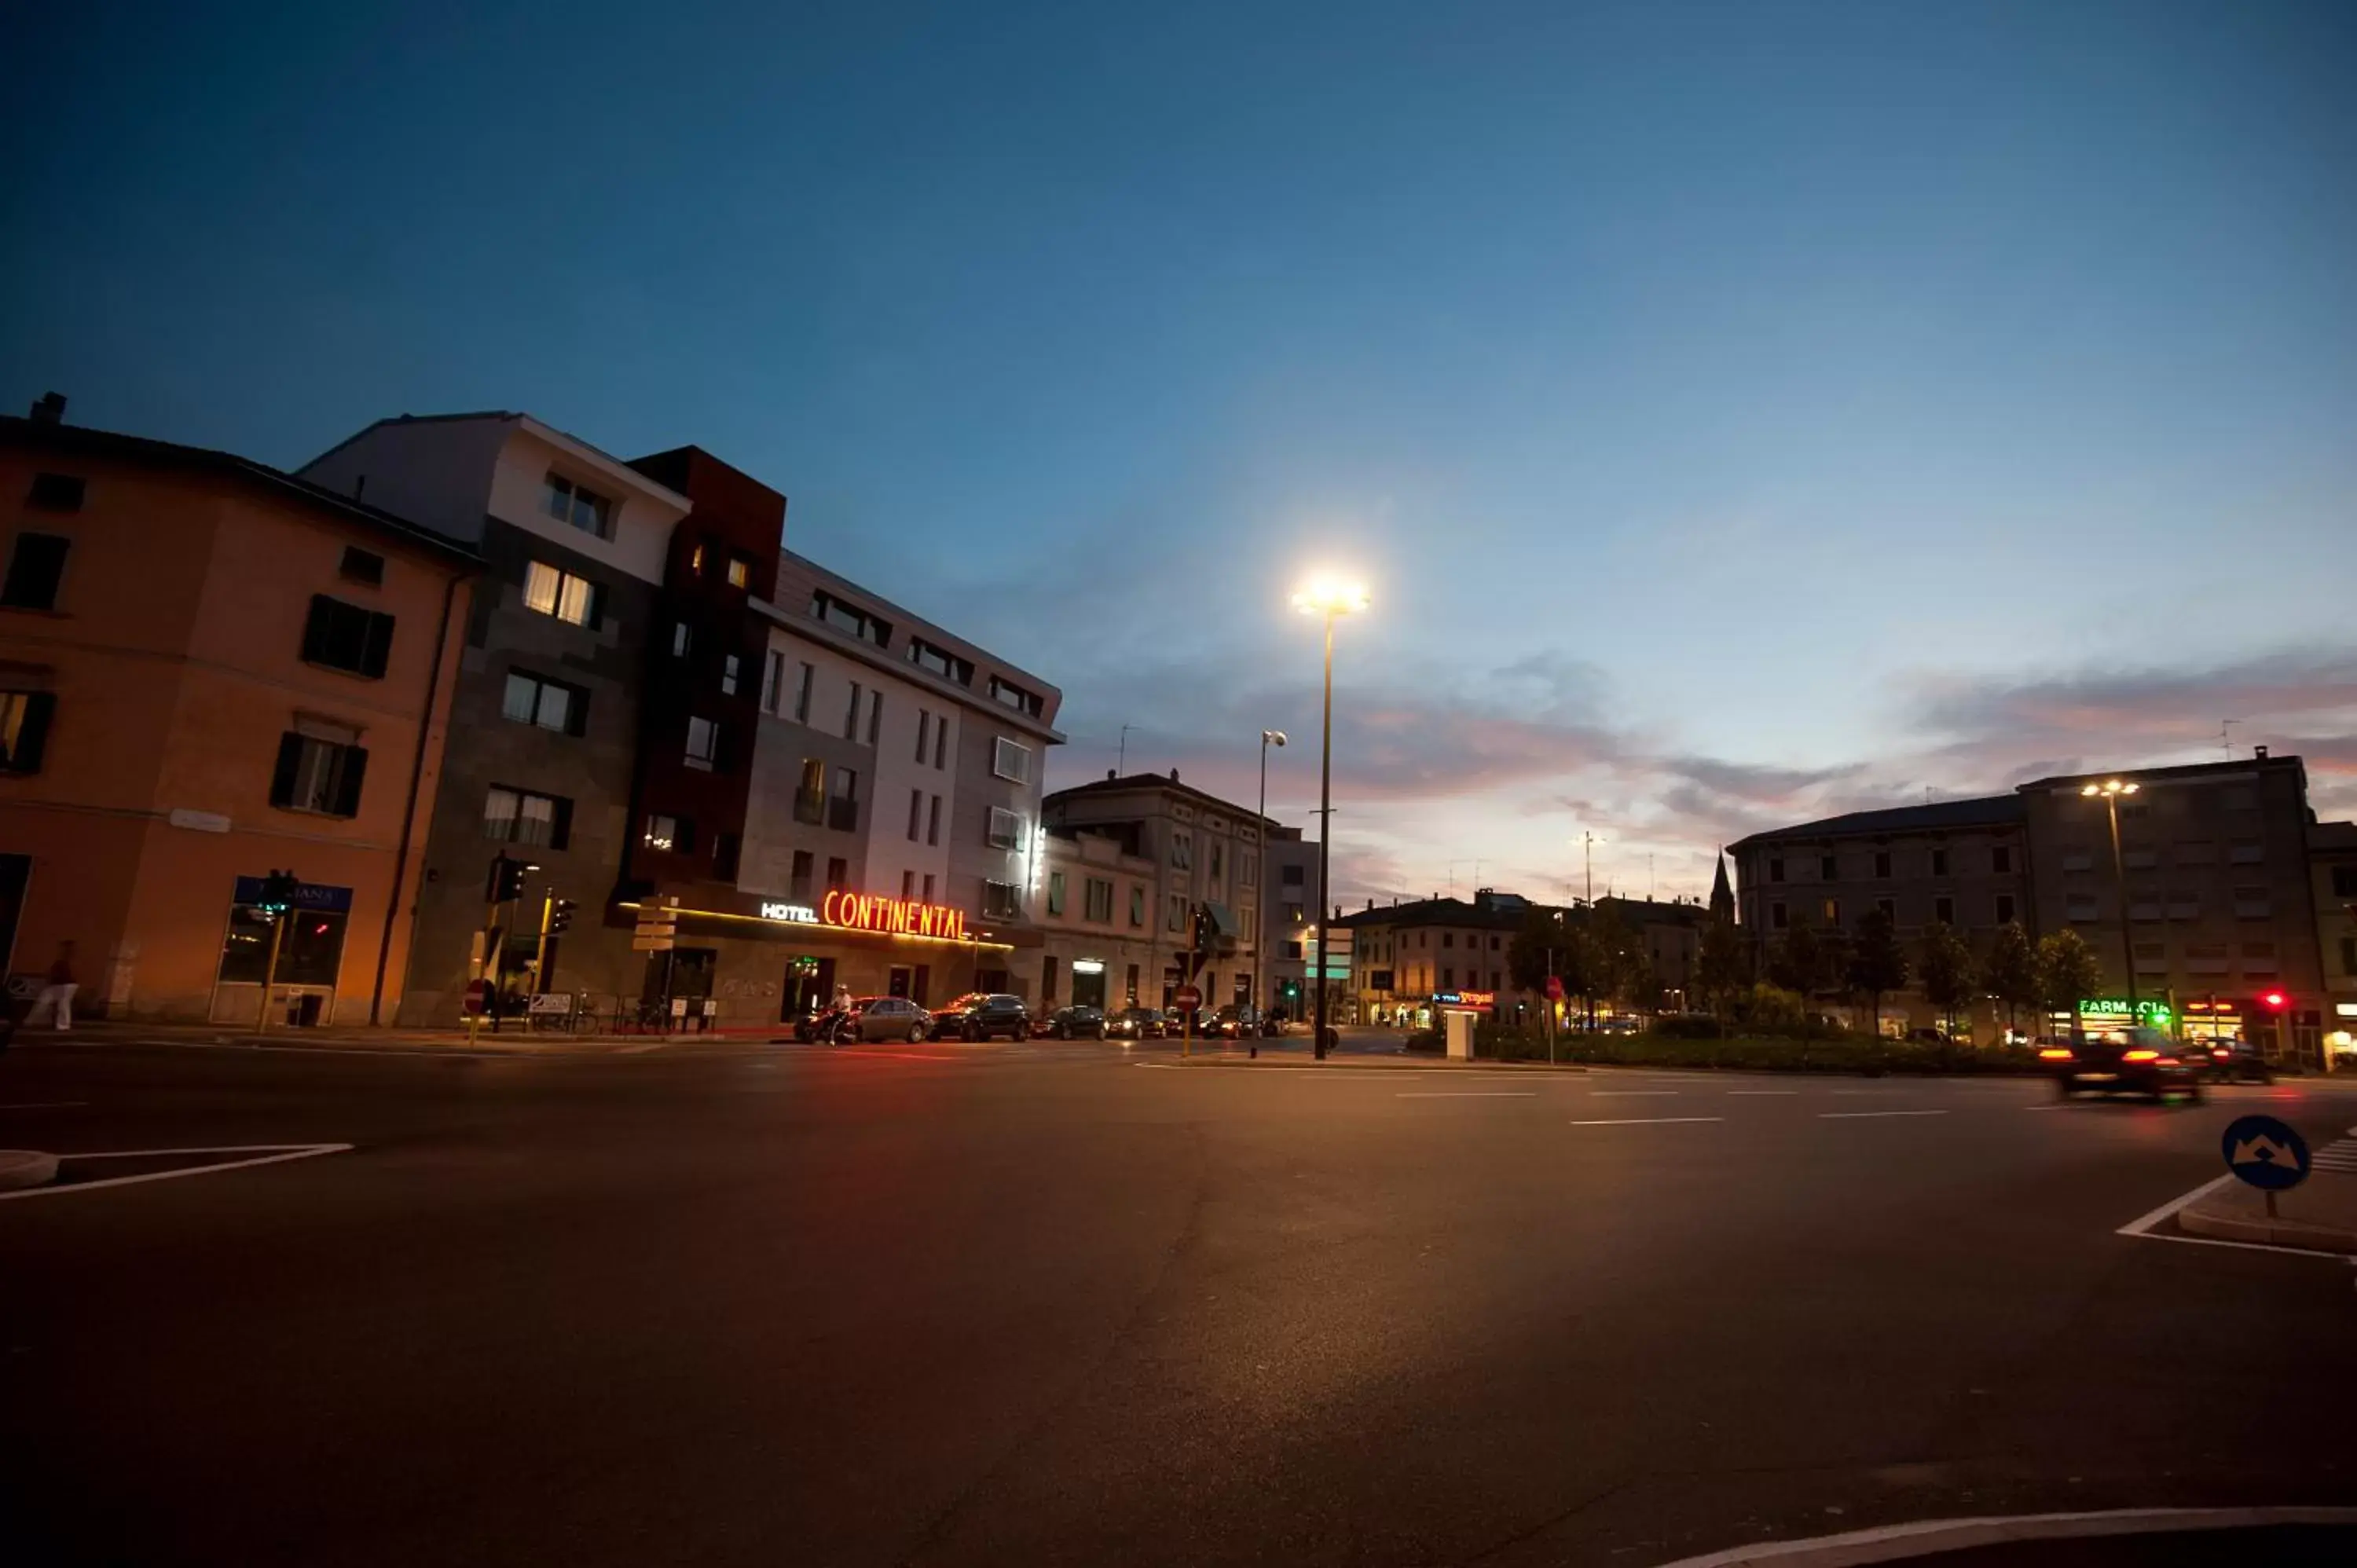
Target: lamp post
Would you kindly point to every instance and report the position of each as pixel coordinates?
(1268, 738)
(1327, 598)
(2111, 789)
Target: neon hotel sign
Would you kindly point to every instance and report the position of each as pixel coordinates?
(866, 912)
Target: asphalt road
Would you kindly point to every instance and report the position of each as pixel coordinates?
(1072, 1305)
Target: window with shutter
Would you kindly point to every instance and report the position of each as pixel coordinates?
(36, 567)
(24, 729)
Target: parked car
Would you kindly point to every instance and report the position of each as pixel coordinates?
(1078, 1022)
(2138, 1060)
(979, 1015)
(1174, 1022)
(890, 1019)
(1927, 1035)
(1135, 1023)
(2233, 1060)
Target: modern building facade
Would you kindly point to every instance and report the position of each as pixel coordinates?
(2332, 866)
(214, 670)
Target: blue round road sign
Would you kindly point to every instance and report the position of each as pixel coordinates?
(2266, 1152)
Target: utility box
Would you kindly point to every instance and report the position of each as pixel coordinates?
(1460, 1030)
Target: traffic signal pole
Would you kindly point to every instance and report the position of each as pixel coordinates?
(270, 970)
(540, 951)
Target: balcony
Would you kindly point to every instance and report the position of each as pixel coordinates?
(843, 814)
(809, 808)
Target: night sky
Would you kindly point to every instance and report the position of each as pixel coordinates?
(1739, 413)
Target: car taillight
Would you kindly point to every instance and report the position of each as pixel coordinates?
(2220, 1053)
(2054, 1054)
(2140, 1056)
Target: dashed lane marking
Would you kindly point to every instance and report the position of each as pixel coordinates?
(1630, 1093)
(1763, 1091)
(1856, 1115)
(1645, 1121)
(264, 1155)
(1466, 1094)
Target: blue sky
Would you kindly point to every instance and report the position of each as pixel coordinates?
(1740, 412)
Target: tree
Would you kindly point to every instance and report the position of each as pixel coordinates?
(1721, 970)
(1547, 943)
(2067, 972)
(1797, 960)
(1618, 957)
(2011, 971)
(1877, 963)
(1944, 970)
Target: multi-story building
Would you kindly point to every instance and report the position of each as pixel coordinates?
(1098, 912)
(1201, 850)
(211, 671)
(2333, 860)
(1409, 957)
(2218, 905)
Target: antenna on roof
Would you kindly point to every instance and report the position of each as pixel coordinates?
(2226, 736)
(1120, 757)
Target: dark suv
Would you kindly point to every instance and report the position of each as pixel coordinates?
(979, 1015)
(2139, 1060)
(1078, 1022)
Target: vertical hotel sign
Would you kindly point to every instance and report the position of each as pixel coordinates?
(867, 912)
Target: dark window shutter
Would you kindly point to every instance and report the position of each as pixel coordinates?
(721, 759)
(347, 781)
(597, 606)
(380, 645)
(576, 711)
(685, 841)
(290, 757)
(319, 631)
(33, 735)
(560, 827)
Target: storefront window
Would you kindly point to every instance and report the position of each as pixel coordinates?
(311, 951)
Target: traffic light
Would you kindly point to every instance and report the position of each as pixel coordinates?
(560, 916)
(2275, 1001)
(278, 893)
(506, 883)
(1200, 932)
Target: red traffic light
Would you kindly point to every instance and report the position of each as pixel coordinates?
(2273, 999)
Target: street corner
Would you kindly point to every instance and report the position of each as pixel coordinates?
(2318, 1216)
(26, 1168)
(26, 1172)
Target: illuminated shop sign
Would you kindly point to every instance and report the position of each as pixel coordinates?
(1087, 966)
(798, 914)
(893, 916)
(2153, 1012)
(1463, 998)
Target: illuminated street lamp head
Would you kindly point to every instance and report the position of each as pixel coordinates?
(1272, 737)
(2109, 787)
(1330, 597)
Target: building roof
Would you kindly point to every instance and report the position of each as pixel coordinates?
(2182, 770)
(1440, 912)
(1987, 811)
(1169, 783)
(81, 441)
(614, 468)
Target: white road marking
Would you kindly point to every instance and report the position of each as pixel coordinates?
(1466, 1094)
(1645, 1121)
(1945, 1535)
(2144, 1222)
(1630, 1093)
(1853, 1115)
(641, 1051)
(1763, 1091)
(268, 1154)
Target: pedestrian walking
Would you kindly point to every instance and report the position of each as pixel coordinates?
(56, 997)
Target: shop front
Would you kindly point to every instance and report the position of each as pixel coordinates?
(310, 956)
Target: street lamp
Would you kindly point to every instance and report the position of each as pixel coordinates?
(2111, 789)
(1268, 738)
(1328, 597)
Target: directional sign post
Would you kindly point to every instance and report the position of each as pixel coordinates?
(1187, 998)
(2267, 1153)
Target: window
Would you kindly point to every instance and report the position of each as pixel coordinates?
(584, 508)
(682, 637)
(1217, 857)
(317, 776)
(2242, 798)
(702, 744)
(1293, 913)
(25, 729)
(2245, 851)
(1778, 916)
(2079, 906)
(740, 571)
(2141, 858)
(1001, 900)
(550, 704)
(838, 874)
(2196, 851)
(2001, 859)
(726, 850)
(875, 716)
(2251, 903)
(2258, 958)
(851, 714)
(1055, 893)
(362, 567)
(1887, 908)
(56, 492)
(1008, 695)
(35, 569)
(1882, 865)
(1447, 977)
(2005, 908)
(773, 681)
(941, 740)
(907, 885)
(810, 795)
(941, 661)
(924, 733)
(933, 821)
(730, 666)
(850, 617)
(1136, 908)
(1175, 917)
(798, 888)
(665, 830)
(576, 600)
(1825, 868)
(916, 812)
(1939, 863)
(1776, 868)
(1010, 761)
(2348, 955)
(1182, 851)
(843, 806)
(339, 635)
(2078, 857)
(1247, 868)
(802, 685)
(1289, 876)
(1096, 901)
(695, 561)
(520, 816)
(1448, 938)
(1005, 829)
(929, 887)
(1832, 911)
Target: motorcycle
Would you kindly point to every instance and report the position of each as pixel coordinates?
(835, 1026)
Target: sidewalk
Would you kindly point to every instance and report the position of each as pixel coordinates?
(513, 1039)
(2319, 1214)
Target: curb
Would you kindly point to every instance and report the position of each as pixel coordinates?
(26, 1168)
(2270, 1232)
(1891, 1544)
(1376, 1064)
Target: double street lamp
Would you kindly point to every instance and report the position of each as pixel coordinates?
(1330, 598)
(2110, 791)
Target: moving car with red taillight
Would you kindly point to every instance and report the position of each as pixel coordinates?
(2126, 1061)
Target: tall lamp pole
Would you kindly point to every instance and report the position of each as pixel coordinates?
(1329, 599)
(1260, 925)
(2111, 789)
